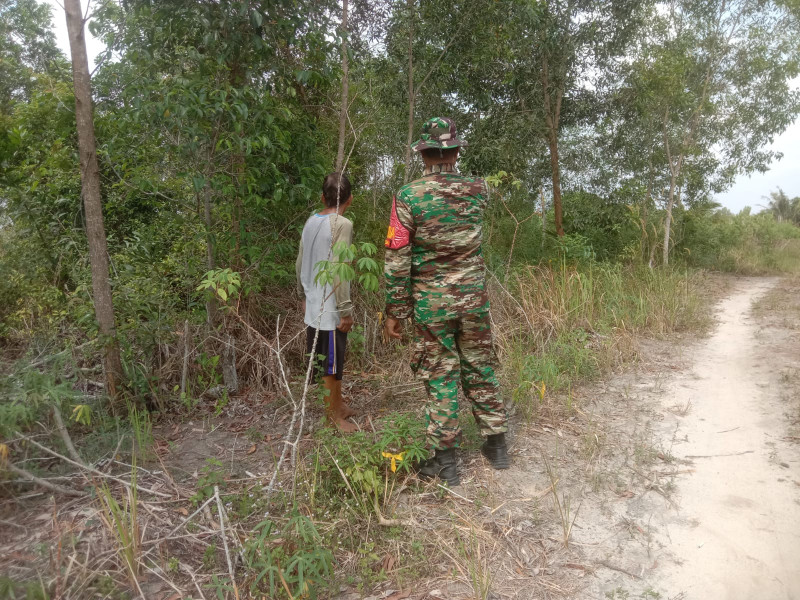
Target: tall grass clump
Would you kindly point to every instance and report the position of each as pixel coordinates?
(122, 521)
(556, 326)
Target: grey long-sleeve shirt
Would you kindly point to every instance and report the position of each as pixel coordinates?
(323, 308)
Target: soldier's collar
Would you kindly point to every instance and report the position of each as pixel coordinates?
(440, 168)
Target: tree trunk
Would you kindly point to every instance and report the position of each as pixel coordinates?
(411, 93)
(557, 210)
(674, 173)
(668, 218)
(211, 305)
(345, 90)
(544, 218)
(552, 116)
(93, 204)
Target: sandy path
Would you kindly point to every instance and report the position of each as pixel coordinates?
(738, 531)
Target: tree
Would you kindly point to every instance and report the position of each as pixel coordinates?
(711, 82)
(93, 203)
(343, 32)
(27, 49)
(784, 208)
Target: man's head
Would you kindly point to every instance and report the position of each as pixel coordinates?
(437, 156)
(438, 133)
(336, 191)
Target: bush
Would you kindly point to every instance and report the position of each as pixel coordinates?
(745, 244)
(608, 227)
(365, 465)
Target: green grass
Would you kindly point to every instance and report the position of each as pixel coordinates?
(568, 324)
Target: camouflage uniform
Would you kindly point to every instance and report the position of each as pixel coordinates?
(434, 270)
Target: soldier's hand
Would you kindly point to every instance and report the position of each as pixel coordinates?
(345, 324)
(393, 328)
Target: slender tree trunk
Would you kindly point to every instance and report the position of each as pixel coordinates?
(668, 219)
(238, 168)
(645, 206)
(93, 204)
(544, 217)
(557, 210)
(688, 139)
(674, 172)
(411, 92)
(345, 89)
(552, 115)
(211, 306)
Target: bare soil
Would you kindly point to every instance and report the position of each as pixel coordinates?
(676, 477)
(716, 512)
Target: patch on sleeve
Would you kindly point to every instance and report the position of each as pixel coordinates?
(398, 236)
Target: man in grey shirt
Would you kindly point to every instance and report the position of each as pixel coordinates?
(327, 308)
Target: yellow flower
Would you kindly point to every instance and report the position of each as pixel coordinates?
(542, 390)
(3, 454)
(395, 459)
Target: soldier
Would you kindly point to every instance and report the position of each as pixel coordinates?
(435, 272)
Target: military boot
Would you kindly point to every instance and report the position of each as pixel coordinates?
(495, 451)
(441, 465)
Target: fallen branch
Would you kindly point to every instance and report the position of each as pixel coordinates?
(182, 523)
(62, 431)
(608, 565)
(457, 495)
(225, 540)
(127, 484)
(191, 573)
(383, 520)
(718, 455)
(53, 487)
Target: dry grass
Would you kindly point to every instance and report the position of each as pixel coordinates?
(553, 326)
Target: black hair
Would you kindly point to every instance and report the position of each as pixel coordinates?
(444, 154)
(333, 183)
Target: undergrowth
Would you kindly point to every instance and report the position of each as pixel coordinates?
(556, 327)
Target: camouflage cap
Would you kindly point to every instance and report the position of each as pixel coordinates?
(438, 132)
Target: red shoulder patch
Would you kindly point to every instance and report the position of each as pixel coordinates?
(398, 236)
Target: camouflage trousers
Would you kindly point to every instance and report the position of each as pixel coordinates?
(449, 352)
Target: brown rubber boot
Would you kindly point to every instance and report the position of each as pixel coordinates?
(333, 406)
(347, 410)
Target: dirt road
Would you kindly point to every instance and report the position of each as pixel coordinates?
(729, 528)
(740, 535)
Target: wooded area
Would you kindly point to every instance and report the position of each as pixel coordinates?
(152, 206)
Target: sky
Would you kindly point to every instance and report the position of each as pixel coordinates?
(784, 174)
(747, 191)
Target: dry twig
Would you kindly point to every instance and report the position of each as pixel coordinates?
(225, 540)
(62, 431)
(53, 487)
(127, 484)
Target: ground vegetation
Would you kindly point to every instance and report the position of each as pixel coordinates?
(167, 427)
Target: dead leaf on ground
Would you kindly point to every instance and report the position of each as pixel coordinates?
(183, 511)
(387, 563)
(252, 449)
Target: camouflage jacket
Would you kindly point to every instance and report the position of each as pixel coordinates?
(434, 266)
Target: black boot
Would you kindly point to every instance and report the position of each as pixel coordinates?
(495, 451)
(441, 465)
